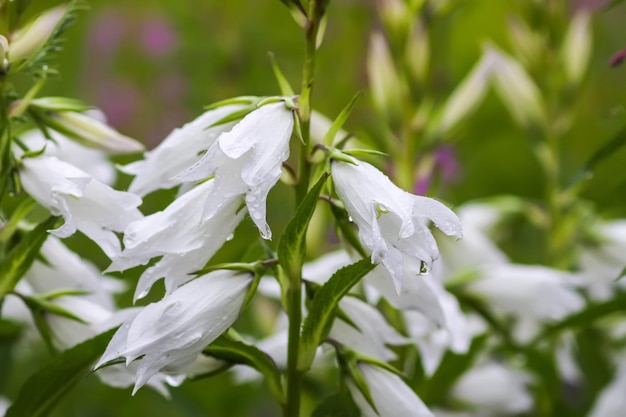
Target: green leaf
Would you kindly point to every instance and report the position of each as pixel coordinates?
(340, 120)
(285, 87)
(237, 352)
(236, 115)
(604, 152)
(292, 244)
(586, 317)
(43, 390)
(324, 308)
(60, 104)
(453, 365)
(337, 405)
(22, 256)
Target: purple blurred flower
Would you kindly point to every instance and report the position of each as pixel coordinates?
(119, 100)
(107, 33)
(157, 37)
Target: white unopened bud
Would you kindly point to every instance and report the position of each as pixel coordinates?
(576, 48)
(30, 38)
(516, 89)
(384, 79)
(92, 132)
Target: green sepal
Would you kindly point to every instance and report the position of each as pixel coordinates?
(248, 100)
(304, 104)
(348, 361)
(292, 244)
(340, 120)
(364, 152)
(285, 87)
(22, 256)
(43, 390)
(337, 155)
(237, 352)
(298, 12)
(323, 309)
(60, 104)
(234, 116)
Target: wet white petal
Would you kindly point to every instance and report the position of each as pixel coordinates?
(393, 224)
(169, 334)
(247, 160)
(392, 397)
(86, 204)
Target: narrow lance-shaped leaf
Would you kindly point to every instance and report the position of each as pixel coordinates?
(23, 255)
(292, 245)
(285, 87)
(242, 353)
(43, 390)
(340, 120)
(324, 308)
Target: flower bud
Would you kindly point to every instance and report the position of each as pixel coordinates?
(30, 38)
(92, 132)
(576, 48)
(384, 78)
(516, 89)
(418, 52)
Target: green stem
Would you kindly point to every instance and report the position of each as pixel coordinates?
(294, 293)
(5, 141)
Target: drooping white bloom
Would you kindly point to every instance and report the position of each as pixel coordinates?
(393, 224)
(184, 239)
(63, 269)
(494, 389)
(247, 161)
(611, 402)
(169, 334)
(533, 294)
(4, 405)
(179, 150)
(391, 396)
(92, 161)
(85, 203)
(602, 263)
(373, 332)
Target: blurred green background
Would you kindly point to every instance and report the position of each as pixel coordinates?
(151, 66)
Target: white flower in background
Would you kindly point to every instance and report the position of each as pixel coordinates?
(373, 332)
(247, 161)
(92, 161)
(63, 269)
(391, 396)
(611, 402)
(533, 294)
(393, 224)
(494, 389)
(185, 240)
(601, 263)
(476, 248)
(179, 150)
(85, 203)
(4, 405)
(168, 335)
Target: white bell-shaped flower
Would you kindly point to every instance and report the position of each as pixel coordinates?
(179, 150)
(247, 161)
(85, 203)
(372, 333)
(185, 240)
(169, 334)
(531, 293)
(611, 402)
(92, 161)
(393, 224)
(391, 396)
(494, 389)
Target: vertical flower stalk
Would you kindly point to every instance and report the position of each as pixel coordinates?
(315, 14)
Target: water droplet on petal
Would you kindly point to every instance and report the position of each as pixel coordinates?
(350, 219)
(424, 269)
(230, 237)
